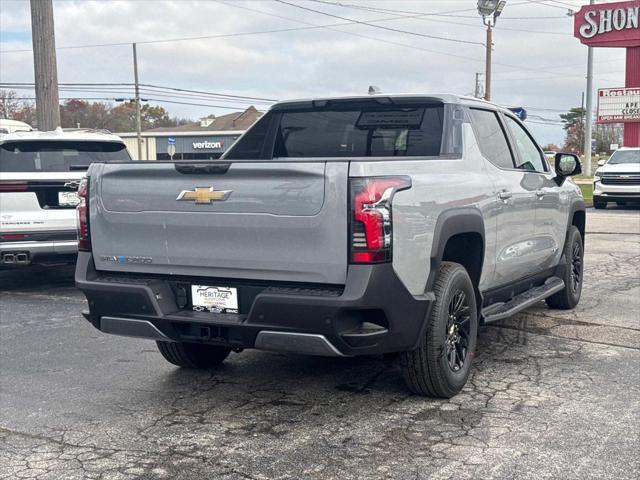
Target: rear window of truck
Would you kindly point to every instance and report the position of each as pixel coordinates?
(387, 131)
(58, 156)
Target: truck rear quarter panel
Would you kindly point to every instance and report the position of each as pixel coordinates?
(438, 186)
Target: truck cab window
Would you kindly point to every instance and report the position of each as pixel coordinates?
(530, 154)
(491, 139)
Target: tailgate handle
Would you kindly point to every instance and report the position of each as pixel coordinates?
(202, 168)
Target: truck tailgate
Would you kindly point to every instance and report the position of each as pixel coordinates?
(278, 221)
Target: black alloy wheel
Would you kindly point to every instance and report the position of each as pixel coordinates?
(576, 266)
(457, 331)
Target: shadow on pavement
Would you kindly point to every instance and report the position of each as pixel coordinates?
(37, 277)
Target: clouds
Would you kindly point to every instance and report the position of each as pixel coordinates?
(316, 61)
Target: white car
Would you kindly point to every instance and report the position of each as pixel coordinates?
(39, 175)
(618, 179)
(10, 126)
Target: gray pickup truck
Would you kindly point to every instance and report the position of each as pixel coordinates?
(340, 226)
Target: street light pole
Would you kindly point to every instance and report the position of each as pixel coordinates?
(487, 75)
(490, 10)
(137, 98)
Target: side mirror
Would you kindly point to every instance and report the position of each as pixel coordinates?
(601, 163)
(567, 164)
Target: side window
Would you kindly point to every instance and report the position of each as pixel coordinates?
(491, 139)
(252, 144)
(530, 156)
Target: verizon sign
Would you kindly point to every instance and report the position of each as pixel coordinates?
(618, 105)
(609, 24)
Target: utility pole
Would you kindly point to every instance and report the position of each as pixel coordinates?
(589, 107)
(44, 65)
(487, 74)
(137, 99)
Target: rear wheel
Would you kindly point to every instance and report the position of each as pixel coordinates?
(599, 203)
(574, 254)
(193, 355)
(440, 366)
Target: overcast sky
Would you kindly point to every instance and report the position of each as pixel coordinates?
(537, 62)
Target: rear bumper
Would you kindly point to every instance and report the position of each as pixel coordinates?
(372, 314)
(24, 253)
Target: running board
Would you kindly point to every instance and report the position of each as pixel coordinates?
(500, 311)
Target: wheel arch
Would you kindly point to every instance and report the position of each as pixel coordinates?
(578, 217)
(459, 236)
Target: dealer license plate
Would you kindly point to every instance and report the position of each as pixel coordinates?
(68, 199)
(205, 298)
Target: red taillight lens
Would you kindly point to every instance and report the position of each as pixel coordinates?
(82, 213)
(12, 236)
(12, 186)
(371, 221)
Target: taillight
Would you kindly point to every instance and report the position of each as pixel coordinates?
(12, 236)
(12, 186)
(82, 214)
(371, 217)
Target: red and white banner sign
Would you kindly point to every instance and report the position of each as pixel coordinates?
(609, 24)
(618, 105)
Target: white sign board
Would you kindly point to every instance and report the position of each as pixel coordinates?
(614, 146)
(618, 105)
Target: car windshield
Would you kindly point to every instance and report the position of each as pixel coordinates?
(58, 156)
(625, 156)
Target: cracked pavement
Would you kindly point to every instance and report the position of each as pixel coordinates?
(554, 394)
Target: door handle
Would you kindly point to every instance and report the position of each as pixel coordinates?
(505, 195)
(539, 193)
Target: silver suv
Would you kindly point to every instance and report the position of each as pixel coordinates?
(339, 226)
(618, 179)
(39, 175)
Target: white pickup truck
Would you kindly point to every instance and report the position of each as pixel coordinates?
(339, 226)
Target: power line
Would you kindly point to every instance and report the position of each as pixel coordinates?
(354, 34)
(128, 87)
(180, 39)
(382, 27)
(421, 16)
(114, 99)
(413, 16)
(390, 42)
(206, 37)
(218, 94)
(548, 3)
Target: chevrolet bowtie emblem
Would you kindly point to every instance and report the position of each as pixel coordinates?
(204, 195)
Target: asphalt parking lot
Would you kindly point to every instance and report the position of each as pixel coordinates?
(553, 395)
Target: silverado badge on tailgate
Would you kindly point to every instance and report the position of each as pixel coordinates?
(204, 195)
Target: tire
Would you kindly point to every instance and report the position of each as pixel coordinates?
(573, 252)
(427, 370)
(598, 203)
(193, 355)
